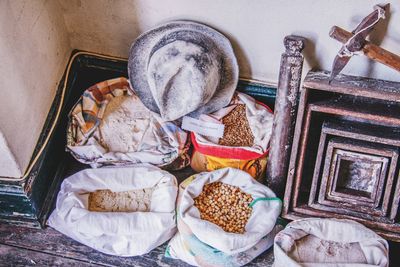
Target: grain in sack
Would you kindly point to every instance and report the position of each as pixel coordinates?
(123, 211)
(224, 205)
(244, 144)
(234, 239)
(110, 126)
(329, 242)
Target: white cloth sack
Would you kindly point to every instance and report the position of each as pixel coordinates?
(227, 249)
(117, 233)
(316, 242)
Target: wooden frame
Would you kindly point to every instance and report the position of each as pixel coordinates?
(390, 142)
(340, 182)
(381, 148)
(351, 118)
(351, 202)
(339, 187)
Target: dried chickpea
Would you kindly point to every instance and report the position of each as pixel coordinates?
(224, 205)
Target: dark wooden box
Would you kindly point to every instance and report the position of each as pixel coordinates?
(345, 156)
(29, 201)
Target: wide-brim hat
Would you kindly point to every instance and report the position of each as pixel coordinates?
(214, 46)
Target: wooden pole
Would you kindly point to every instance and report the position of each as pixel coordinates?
(285, 113)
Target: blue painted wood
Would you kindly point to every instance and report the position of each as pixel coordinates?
(259, 91)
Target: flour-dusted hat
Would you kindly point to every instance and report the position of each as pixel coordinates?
(183, 67)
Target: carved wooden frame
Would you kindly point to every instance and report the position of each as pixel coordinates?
(338, 154)
(377, 205)
(348, 100)
(386, 147)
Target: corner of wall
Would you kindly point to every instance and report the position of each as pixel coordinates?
(34, 48)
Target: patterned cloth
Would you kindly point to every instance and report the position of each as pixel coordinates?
(87, 115)
(164, 144)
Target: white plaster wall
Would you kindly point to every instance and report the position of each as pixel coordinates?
(255, 27)
(34, 49)
(8, 164)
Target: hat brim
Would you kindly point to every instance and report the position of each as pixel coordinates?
(141, 50)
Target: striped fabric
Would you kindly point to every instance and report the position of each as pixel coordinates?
(88, 112)
(163, 144)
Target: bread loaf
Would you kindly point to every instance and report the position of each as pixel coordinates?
(126, 201)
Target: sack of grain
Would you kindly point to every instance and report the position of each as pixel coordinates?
(244, 145)
(329, 242)
(124, 211)
(225, 218)
(110, 126)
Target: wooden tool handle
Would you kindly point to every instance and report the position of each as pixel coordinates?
(370, 50)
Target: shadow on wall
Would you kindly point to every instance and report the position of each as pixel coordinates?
(241, 56)
(110, 26)
(309, 52)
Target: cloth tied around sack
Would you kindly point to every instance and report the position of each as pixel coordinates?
(183, 67)
(117, 233)
(110, 126)
(319, 242)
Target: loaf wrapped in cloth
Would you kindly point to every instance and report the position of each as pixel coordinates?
(202, 243)
(316, 242)
(110, 126)
(117, 233)
(244, 146)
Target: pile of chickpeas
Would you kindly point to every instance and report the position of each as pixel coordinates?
(224, 205)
